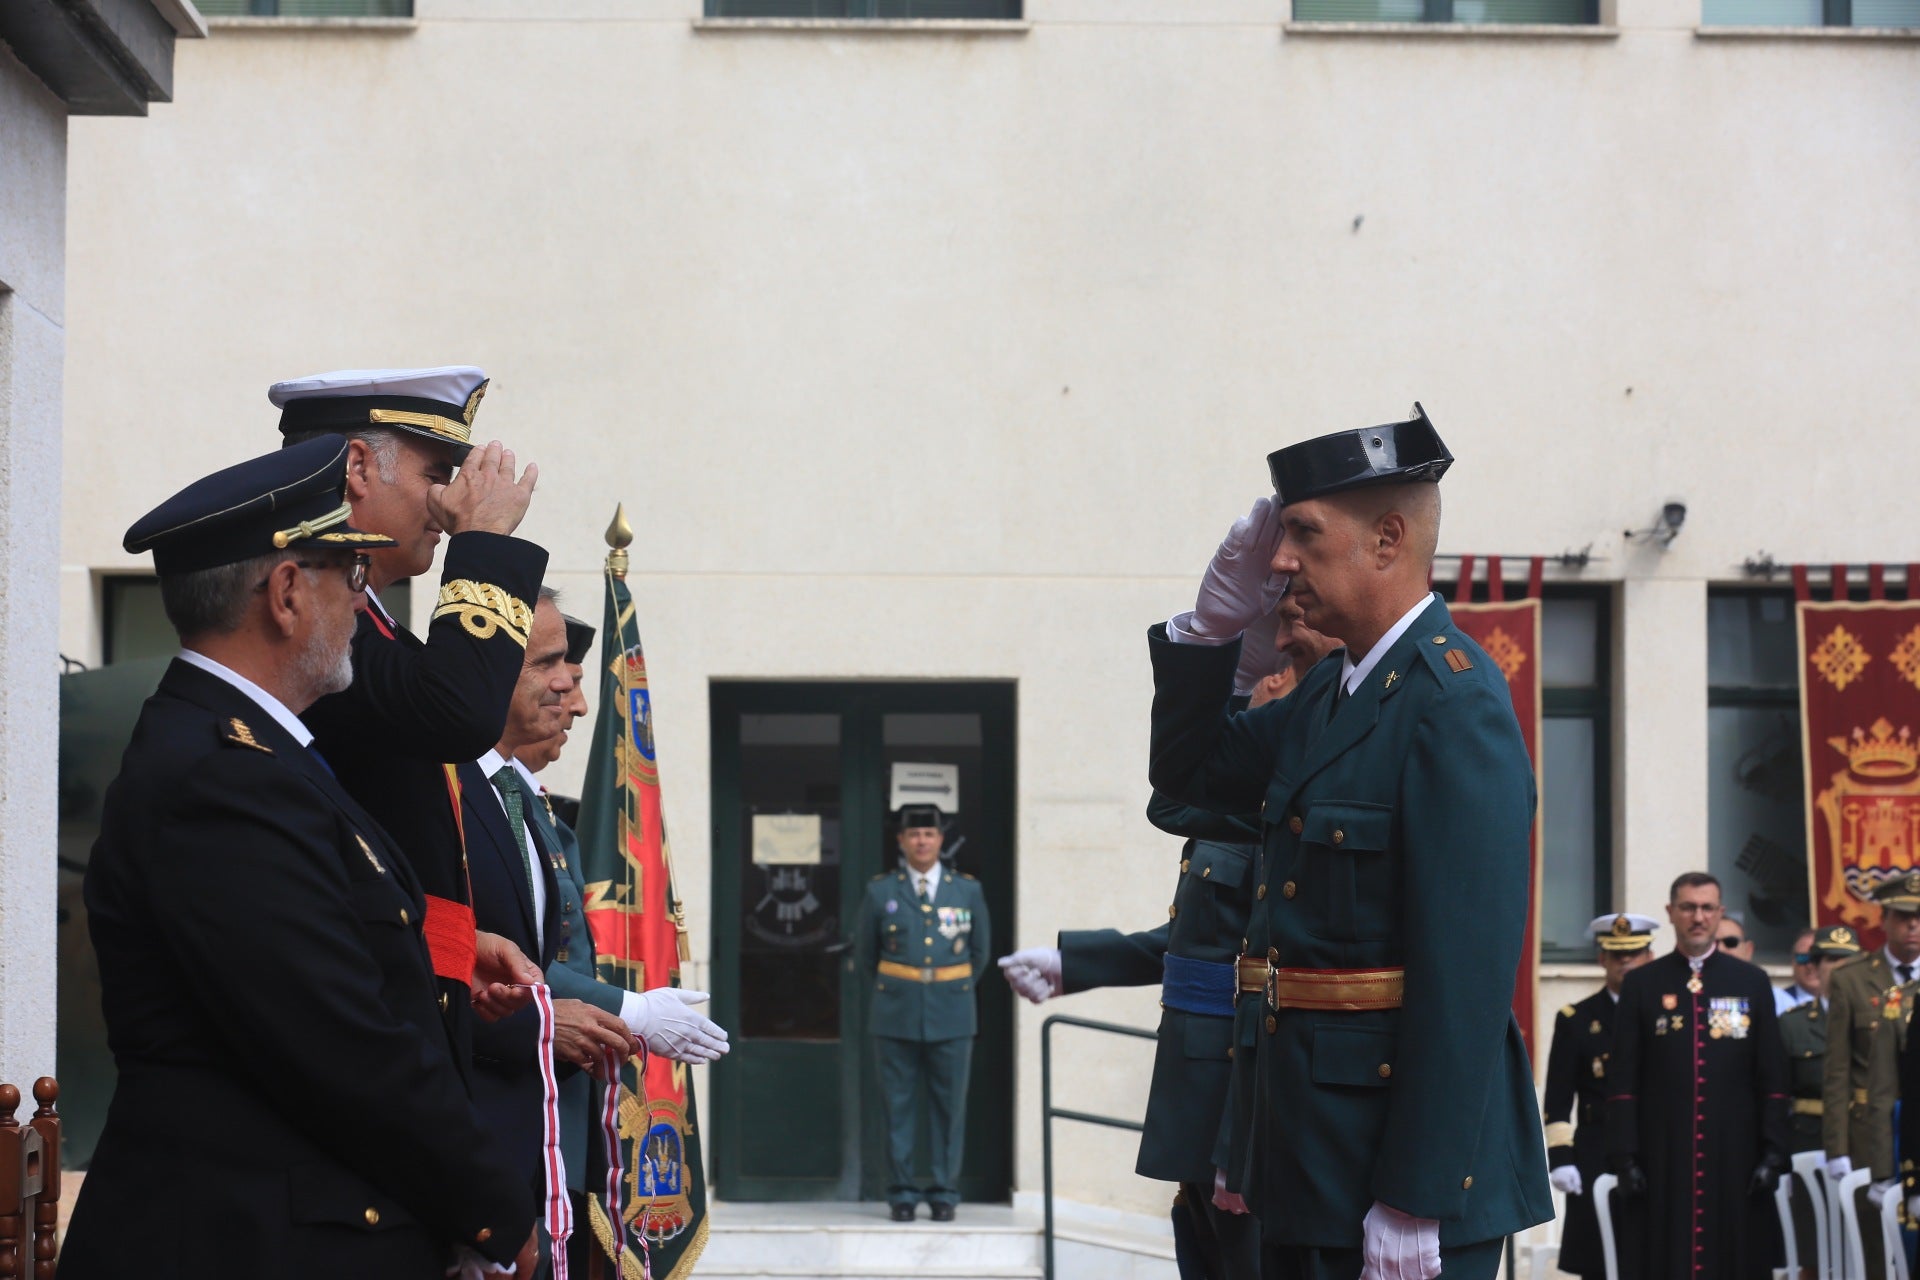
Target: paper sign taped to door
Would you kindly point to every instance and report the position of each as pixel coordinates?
(926, 784)
(786, 839)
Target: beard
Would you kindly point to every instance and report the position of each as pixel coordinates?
(326, 664)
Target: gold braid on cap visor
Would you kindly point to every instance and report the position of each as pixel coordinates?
(307, 528)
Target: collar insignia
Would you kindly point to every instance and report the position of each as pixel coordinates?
(368, 850)
(237, 732)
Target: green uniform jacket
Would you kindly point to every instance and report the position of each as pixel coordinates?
(1186, 1103)
(1397, 833)
(1867, 1013)
(1803, 1029)
(953, 929)
(571, 977)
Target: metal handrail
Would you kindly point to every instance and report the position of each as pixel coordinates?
(1048, 1111)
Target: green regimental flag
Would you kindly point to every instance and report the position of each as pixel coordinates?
(640, 942)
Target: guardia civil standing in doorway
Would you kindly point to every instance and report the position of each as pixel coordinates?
(923, 934)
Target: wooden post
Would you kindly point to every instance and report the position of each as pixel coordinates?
(46, 1209)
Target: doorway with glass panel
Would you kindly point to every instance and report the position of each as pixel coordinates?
(802, 776)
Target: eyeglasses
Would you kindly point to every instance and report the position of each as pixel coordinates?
(356, 570)
(1733, 941)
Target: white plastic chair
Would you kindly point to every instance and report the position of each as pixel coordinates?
(1855, 1257)
(1887, 1201)
(1810, 1168)
(1602, 1193)
(1783, 1205)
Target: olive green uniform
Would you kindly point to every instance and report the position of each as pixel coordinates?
(1867, 1014)
(926, 958)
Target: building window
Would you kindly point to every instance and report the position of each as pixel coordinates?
(1475, 11)
(305, 8)
(1576, 759)
(134, 626)
(1756, 795)
(864, 9)
(1810, 13)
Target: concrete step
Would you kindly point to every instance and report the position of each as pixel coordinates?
(861, 1242)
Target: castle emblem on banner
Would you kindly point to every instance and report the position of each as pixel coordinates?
(1872, 814)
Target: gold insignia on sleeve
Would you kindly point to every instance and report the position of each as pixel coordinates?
(368, 850)
(1458, 660)
(485, 610)
(237, 732)
(1566, 1011)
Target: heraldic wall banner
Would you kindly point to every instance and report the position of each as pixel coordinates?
(1859, 713)
(640, 942)
(1509, 630)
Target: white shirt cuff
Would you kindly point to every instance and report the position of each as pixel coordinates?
(632, 1010)
(1178, 633)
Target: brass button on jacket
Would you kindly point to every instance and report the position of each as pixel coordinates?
(372, 1216)
(1272, 1024)
(1289, 888)
(1295, 825)
(1261, 892)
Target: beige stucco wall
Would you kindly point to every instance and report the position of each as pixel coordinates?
(941, 355)
(33, 179)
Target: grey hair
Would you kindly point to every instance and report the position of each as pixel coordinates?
(214, 601)
(550, 594)
(382, 442)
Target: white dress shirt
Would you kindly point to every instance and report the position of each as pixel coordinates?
(930, 878)
(282, 716)
(490, 764)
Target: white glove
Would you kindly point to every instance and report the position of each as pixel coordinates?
(1259, 658)
(662, 1017)
(468, 1265)
(1034, 972)
(1398, 1246)
(1838, 1167)
(1240, 584)
(1566, 1179)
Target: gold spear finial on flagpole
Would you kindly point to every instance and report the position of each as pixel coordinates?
(619, 537)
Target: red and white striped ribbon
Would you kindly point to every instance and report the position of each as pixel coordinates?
(610, 1130)
(559, 1207)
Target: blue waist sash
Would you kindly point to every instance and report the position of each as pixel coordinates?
(1198, 986)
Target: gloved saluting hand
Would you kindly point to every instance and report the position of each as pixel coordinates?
(1240, 585)
(1566, 1179)
(664, 1018)
(1033, 972)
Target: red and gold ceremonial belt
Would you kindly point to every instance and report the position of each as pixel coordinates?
(945, 973)
(1350, 990)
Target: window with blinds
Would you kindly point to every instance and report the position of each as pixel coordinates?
(305, 8)
(1471, 11)
(1810, 13)
(870, 9)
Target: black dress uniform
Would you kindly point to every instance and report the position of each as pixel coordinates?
(1697, 1098)
(287, 1102)
(1191, 958)
(1576, 1120)
(416, 706)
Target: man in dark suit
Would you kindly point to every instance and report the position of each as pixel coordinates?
(287, 1103)
(524, 890)
(1576, 1095)
(416, 707)
(1396, 1126)
(514, 895)
(1696, 1104)
(662, 1017)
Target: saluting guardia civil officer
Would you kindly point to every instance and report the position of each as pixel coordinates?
(1395, 1125)
(1869, 1004)
(1576, 1097)
(922, 932)
(287, 1101)
(415, 707)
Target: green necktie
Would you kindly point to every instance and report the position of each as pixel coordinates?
(507, 782)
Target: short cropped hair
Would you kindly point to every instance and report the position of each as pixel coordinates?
(382, 442)
(213, 601)
(1690, 880)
